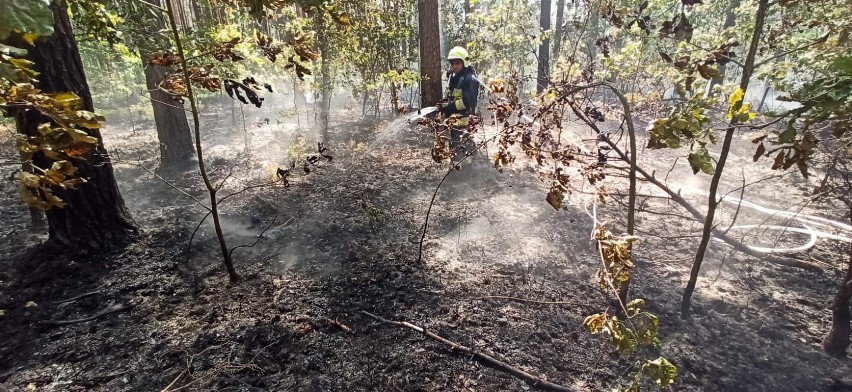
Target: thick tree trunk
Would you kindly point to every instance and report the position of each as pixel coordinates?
(837, 340)
(430, 52)
(94, 217)
(544, 49)
(176, 147)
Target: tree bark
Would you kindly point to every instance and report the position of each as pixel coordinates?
(837, 340)
(430, 52)
(176, 147)
(325, 84)
(557, 34)
(712, 203)
(94, 217)
(730, 21)
(173, 133)
(544, 48)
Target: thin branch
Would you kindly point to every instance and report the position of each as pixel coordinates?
(437, 188)
(529, 301)
(156, 7)
(110, 310)
(191, 237)
(248, 188)
(533, 381)
(786, 52)
(259, 236)
(170, 184)
(81, 296)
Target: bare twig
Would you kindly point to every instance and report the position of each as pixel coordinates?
(265, 184)
(110, 310)
(81, 296)
(343, 327)
(437, 188)
(259, 236)
(189, 244)
(165, 181)
(166, 389)
(698, 216)
(536, 382)
(529, 301)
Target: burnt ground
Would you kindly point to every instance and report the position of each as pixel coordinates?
(344, 239)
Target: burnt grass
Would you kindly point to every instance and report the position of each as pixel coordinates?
(344, 239)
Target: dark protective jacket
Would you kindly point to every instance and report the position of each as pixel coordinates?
(462, 93)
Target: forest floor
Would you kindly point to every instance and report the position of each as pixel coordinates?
(344, 239)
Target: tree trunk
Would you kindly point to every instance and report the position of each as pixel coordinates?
(712, 202)
(837, 340)
(94, 217)
(37, 222)
(173, 133)
(544, 48)
(176, 147)
(325, 84)
(430, 52)
(730, 21)
(594, 33)
(557, 34)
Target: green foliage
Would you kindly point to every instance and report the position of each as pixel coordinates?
(62, 138)
(94, 20)
(31, 18)
(687, 124)
(502, 33)
(636, 332)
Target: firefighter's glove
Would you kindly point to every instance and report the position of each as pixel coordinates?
(446, 108)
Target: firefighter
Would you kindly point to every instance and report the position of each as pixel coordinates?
(462, 91)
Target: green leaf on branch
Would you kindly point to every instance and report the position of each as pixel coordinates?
(25, 16)
(699, 159)
(788, 135)
(843, 65)
(661, 371)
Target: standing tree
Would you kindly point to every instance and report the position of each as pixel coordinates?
(175, 137)
(91, 217)
(430, 52)
(737, 103)
(557, 34)
(544, 48)
(326, 85)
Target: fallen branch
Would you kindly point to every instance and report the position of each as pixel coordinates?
(110, 310)
(529, 301)
(166, 389)
(81, 296)
(343, 327)
(536, 382)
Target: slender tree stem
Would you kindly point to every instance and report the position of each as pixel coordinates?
(214, 205)
(748, 70)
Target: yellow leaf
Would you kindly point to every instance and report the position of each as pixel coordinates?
(67, 100)
(29, 180)
(30, 304)
(29, 38)
(736, 96)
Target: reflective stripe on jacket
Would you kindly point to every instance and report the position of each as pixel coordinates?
(462, 93)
